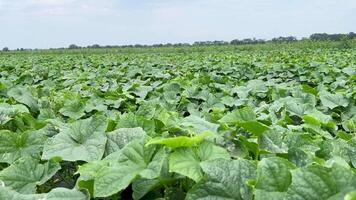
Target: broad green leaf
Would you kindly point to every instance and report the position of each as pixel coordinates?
(254, 127)
(316, 117)
(132, 121)
(117, 139)
(312, 182)
(333, 100)
(142, 186)
(300, 157)
(352, 151)
(95, 104)
(90, 170)
(350, 196)
(24, 174)
(266, 195)
(24, 96)
(142, 91)
(308, 89)
(187, 160)
(226, 180)
(135, 159)
(82, 140)
(296, 108)
(74, 107)
(180, 141)
(8, 112)
(171, 92)
(240, 115)
(8, 193)
(273, 174)
(64, 193)
(272, 141)
(198, 125)
(55, 194)
(350, 70)
(246, 118)
(16, 145)
(115, 178)
(343, 176)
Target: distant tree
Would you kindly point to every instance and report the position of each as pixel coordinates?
(236, 41)
(219, 42)
(332, 37)
(261, 41)
(319, 36)
(5, 49)
(247, 41)
(94, 46)
(351, 35)
(285, 39)
(73, 46)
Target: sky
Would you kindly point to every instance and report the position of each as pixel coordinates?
(59, 23)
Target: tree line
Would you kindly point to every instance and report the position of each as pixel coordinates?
(289, 39)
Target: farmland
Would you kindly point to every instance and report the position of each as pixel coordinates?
(223, 123)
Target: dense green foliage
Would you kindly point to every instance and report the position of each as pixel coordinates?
(255, 123)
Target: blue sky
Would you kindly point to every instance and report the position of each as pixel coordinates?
(58, 23)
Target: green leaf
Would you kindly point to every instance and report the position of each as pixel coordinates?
(95, 104)
(135, 159)
(350, 196)
(272, 141)
(311, 183)
(117, 139)
(273, 174)
(343, 176)
(8, 112)
(8, 193)
(115, 178)
(24, 96)
(226, 180)
(74, 107)
(333, 100)
(16, 145)
(296, 108)
(89, 171)
(306, 88)
(171, 92)
(55, 194)
(266, 195)
(82, 140)
(132, 121)
(254, 127)
(180, 141)
(316, 117)
(24, 174)
(63, 193)
(246, 118)
(142, 186)
(351, 150)
(187, 160)
(240, 115)
(198, 125)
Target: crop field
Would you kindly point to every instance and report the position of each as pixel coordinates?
(253, 124)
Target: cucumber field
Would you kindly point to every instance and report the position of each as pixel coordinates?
(210, 123)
